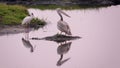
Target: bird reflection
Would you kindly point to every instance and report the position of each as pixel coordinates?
(27, 44)
(62, 49)
(26, 33)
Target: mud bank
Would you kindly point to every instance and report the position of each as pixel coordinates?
(5, 30)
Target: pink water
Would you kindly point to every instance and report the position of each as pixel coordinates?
(99, 46)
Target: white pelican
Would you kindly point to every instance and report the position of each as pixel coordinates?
(62, 25)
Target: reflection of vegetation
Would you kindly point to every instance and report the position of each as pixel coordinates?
(58, 38)
(55, 6)
(36, 23)
(12, 14)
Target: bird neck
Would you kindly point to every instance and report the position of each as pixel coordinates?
(61, 56)
(61, 18)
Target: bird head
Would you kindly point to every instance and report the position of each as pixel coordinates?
(31, 14)
(59, 10)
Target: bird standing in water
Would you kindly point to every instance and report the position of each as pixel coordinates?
(62, 25)
(26, 23)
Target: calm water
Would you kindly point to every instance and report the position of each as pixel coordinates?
(99, 46)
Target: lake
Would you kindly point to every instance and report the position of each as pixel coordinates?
(98, 47)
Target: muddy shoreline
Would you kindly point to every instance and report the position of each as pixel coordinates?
(5, 30)
(14, 29)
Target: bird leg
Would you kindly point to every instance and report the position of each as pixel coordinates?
(27, 33)
(65, 34)
(60, 33)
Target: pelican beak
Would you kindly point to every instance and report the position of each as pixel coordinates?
(64, 13)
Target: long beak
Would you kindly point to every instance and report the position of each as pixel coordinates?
(64, 13)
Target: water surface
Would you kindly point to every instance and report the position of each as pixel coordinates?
(99, 46)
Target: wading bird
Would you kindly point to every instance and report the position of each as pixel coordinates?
(62, 25)
(26, 21)
(26, 24)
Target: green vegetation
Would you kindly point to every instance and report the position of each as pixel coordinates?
(43, 7)
(36, 23)
(12, 14)
(69, 7)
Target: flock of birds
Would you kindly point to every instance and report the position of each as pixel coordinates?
(61, 24)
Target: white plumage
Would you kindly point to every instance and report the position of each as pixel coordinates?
(27, 19)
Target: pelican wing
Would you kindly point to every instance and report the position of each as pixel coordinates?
(64, 27)
(27, 20)
(69, 31)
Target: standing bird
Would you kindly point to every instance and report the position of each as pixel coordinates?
(26, 23)
(62, 25)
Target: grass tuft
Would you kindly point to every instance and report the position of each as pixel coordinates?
(36, 23)
(67, 7)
